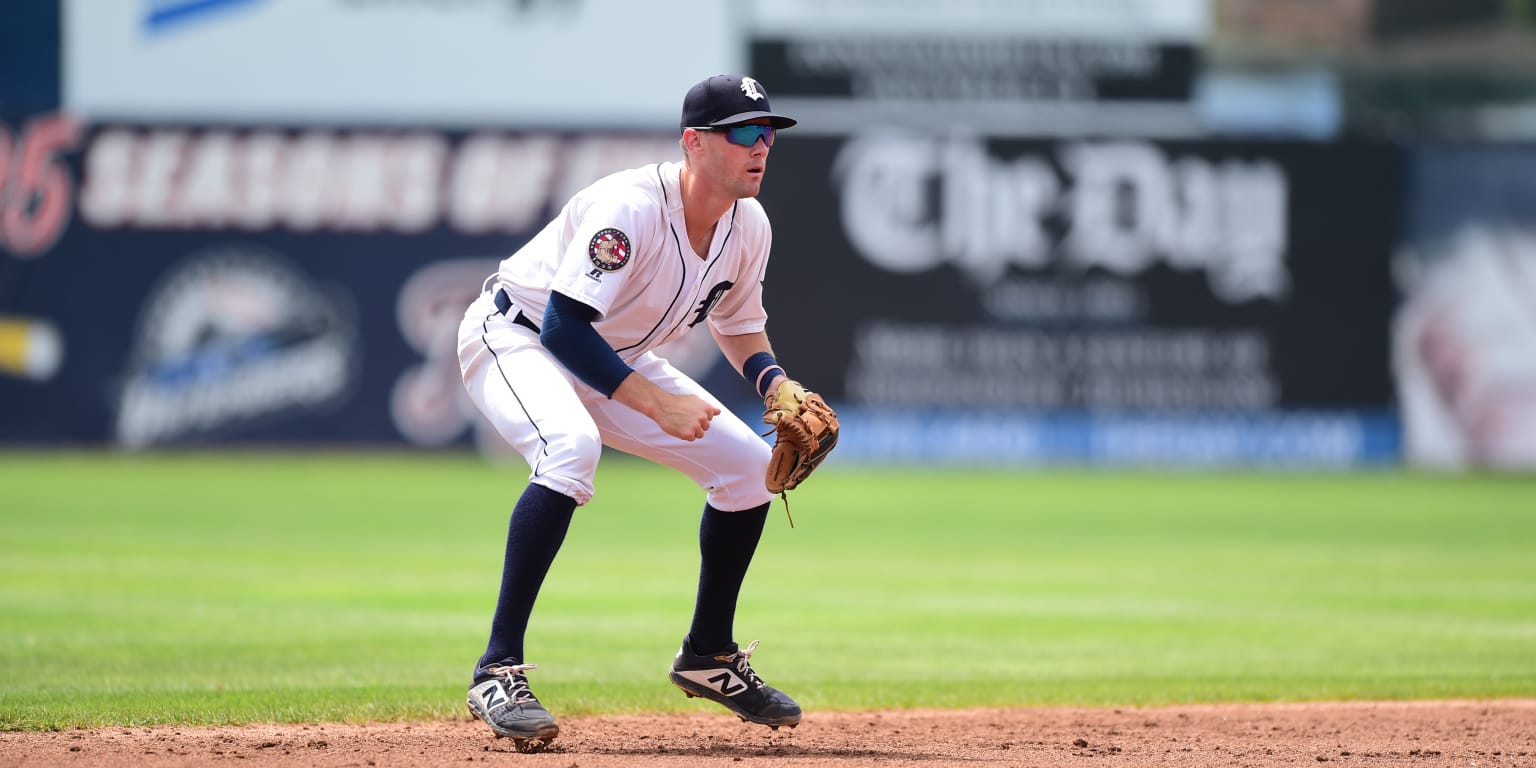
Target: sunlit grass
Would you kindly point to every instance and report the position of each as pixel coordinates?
(229, 588)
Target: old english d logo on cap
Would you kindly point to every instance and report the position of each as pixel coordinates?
(725, 100)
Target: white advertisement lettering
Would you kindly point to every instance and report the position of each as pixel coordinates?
(1124, 206)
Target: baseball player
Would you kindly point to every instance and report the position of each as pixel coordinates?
(556, 353)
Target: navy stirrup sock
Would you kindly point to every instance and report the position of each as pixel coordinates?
(727, 541)
(534, 535)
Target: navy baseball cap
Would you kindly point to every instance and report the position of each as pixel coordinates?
(728, 100)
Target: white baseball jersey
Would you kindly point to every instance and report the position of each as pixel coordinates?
(621, 246)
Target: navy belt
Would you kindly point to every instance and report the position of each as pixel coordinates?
(504, 303)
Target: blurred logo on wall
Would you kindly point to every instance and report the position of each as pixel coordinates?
(428, 404)
(1464, 350)
(409, 62)
(1123, 207)
(162, 15)
(342, 180)
(231, 339)
(36, 187)
(30, 348)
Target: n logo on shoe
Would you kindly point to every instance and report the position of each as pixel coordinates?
(727, 683)
(493, 697)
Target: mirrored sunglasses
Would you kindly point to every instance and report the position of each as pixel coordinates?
(745, 135)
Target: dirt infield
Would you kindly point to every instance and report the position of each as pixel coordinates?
(1442, 733)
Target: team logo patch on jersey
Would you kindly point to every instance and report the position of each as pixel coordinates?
(609, 249)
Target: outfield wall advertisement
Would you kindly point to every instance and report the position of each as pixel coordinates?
(1112, 300)
(977, 51)
(172, 285)
(958, 298)
(1464, 337)
(421, 62)
(1009, 66)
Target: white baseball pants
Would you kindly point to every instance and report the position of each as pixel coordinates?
(559, 424)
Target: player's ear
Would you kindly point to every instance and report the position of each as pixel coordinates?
(693, 140)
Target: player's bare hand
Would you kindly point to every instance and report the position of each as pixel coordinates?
(685, 417)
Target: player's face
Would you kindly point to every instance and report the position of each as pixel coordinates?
(737, 169)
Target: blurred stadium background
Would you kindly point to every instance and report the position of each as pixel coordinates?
(1169, 233)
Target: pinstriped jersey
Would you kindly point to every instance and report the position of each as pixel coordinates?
(621, 246)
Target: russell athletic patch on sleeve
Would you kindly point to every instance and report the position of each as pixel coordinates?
(609, 249)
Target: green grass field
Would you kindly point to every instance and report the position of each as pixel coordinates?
(239, 587)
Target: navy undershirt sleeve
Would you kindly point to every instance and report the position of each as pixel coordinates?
(568, 334)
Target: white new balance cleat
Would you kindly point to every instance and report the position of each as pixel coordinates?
(501, 698)
(726, 678)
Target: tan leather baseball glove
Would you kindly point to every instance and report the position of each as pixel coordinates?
(805, 430)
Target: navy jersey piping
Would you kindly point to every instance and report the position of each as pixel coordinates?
(485, 332)
(673, 304)
(712, 262)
